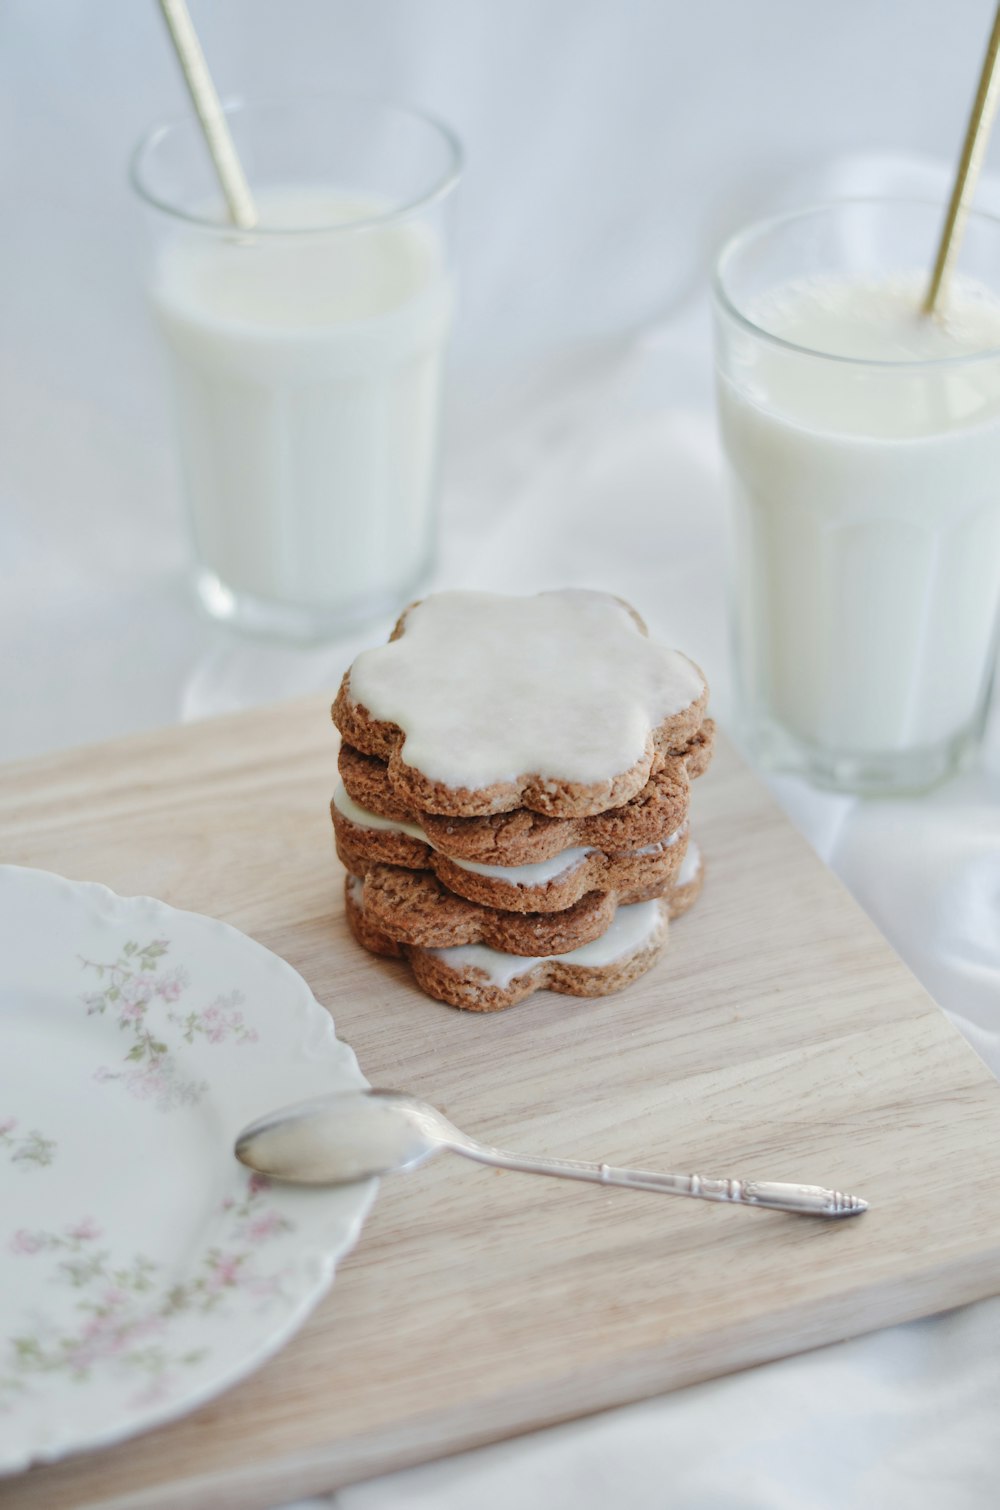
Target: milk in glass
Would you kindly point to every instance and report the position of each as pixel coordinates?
(306, 371)
(867, 510)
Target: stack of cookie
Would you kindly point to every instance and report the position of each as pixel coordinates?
(513, 805)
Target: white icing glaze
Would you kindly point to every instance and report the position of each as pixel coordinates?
(631, 929)
(357, 889)
(488, 688)
(690, 866)
(364, 819)
(537, 873)
(662, 844)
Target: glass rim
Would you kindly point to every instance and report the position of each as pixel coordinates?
(159, 131)
(740, 239)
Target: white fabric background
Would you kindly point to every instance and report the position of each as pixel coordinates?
(610, 147)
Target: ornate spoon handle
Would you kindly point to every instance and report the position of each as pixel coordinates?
(803, 1200)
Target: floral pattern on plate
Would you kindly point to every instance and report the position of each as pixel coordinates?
(142, 1269)
(31, 1150)
(126, 1305)
(142, 998)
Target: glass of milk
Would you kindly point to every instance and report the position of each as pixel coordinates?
(864, 444)
(306, 356)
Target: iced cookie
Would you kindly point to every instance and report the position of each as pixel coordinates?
(683, 891)
(364, 839)
(686, 886)
(413, 907)
(522, 837)
(697, 756)
(481, 979)
(559, 703)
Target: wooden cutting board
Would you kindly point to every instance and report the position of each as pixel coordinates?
(780, 1037)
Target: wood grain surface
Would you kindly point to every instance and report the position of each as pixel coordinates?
(779, 1037)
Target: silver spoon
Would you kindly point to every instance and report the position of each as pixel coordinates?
(359, 1135)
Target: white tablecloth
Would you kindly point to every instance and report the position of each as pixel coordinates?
(610, 146)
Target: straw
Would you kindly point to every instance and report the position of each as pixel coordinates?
(973, 149)
(239, 200)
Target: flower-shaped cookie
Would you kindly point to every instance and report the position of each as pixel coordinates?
(480, 979)
(559, 703)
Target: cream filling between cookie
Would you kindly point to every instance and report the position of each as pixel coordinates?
(662, 844)
(538, 873)
(690, 866)
(632, 929)
(355, 813)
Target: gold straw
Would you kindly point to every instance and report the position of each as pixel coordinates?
(242, 210)
(973, 149)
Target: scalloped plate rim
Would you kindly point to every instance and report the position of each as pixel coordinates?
(320, 1254)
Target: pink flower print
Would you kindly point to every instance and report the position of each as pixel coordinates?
(264, 1226)
(213, 1021)
(107, 1336)
(96, 1341)
(142, 997)
(265, 1287)
(225, 1271)
(138, 991)
(147, 1083)
(221, 1019)
(7, 1125)
(84, 1231)
(249, 1035)
(257, 1183)
(26, 1242)
(169, 988)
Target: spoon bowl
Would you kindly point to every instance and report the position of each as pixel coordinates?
(344, 1138)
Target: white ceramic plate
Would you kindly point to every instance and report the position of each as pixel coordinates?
(142, 1269)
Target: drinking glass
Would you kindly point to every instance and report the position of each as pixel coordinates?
(865, 572)
(306, 356)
